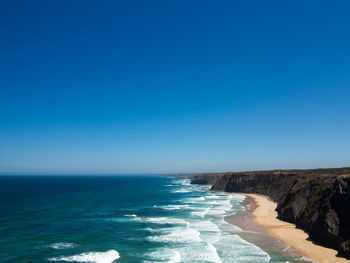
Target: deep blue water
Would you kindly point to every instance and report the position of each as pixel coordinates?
(120, 219)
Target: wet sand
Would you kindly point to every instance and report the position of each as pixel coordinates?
(278, 235)
(258, 235)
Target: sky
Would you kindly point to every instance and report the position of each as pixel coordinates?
(116, 87)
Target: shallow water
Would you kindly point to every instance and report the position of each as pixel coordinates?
(121, 219)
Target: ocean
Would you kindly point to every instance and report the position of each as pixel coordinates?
(124, 219)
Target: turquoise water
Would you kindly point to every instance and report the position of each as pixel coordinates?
(120, 219)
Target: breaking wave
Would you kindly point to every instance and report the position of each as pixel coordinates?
(91, 257)
(62, 245)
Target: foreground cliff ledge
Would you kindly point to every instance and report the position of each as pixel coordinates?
(316, 201)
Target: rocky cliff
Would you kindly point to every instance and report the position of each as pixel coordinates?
(205, 178)
(317, 201)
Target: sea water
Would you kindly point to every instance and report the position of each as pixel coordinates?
(106, 219)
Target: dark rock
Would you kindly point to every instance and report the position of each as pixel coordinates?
(344, 250)
(204, 179)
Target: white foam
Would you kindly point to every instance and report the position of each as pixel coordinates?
(214, 257)
(286, 248)
(178, 235)
(237, 197)
(227, 227)
(151, 230)
(175, 207)
(181, 181)
(208, 240)
(219, 207)
(233, 246)
(161, 220)
(199, 253)
(205, 226)
(194, 199)
(304, 258)
(224, 202)
(212, 197)
(216, 211)
(62, 245)
(91, 257)
(175, 258)
(201, 214)
(165, 255)
(181, 190)
(132, 215)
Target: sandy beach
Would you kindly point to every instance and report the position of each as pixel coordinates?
(266, 216)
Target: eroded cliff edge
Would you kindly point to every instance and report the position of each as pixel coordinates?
(317, 201)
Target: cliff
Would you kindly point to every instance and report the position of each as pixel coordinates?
(317, 201)
(205, 178)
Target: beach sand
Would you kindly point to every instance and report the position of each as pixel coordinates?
(266, 216)
(258, 235)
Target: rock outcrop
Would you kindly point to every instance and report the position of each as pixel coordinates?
(317, 201)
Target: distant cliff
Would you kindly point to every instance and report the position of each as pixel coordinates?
(317, 201)
(205, 178)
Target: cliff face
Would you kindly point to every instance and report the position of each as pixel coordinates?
(317, 201)
(271, 184)
(320, 205)
(205, 178)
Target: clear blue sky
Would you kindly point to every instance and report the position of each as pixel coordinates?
(173, 86)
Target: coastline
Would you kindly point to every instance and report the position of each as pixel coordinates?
(266, 217)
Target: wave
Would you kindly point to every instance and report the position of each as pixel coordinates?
(227, 227)
(175, 258)
(194, 199)
(178, 235)
(161, 220)
(204, 236)
(209, 231)
(212, 197)
(286, 248)
(237, 197)
(214, 257)
(205, 226)
(199, 253)
(174, 207)
(219, 207)
(182, 190)
(151, 230)
(201, 214)
(306, 259)
(132, 215)
(165, 255)
(233, 246)
(181, 182)
(62, 245)
(91, 257)
(218, 211)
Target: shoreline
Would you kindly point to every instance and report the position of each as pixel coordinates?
(258, 235)
(265, 216)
